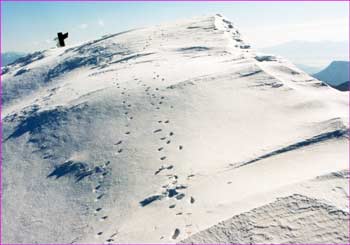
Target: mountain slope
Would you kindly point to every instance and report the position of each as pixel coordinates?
(334, 74)
(155, 134)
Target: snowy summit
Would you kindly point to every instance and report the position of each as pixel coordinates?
(174, 133)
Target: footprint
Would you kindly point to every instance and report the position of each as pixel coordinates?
(180, 187)
(192, 200)
(180, 196)
(163, 167)
(190, 176)
(176, 233)
(172, 192)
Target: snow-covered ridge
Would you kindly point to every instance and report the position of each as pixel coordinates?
(39, 69)
(154, 134)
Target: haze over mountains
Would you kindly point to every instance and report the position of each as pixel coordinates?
(311, 56)
(174, 133)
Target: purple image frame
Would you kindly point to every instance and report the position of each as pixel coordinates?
(184, 1)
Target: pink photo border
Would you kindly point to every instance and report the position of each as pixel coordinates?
(154, 1)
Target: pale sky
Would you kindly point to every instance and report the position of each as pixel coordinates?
(32, 26)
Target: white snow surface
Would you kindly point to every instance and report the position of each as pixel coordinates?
(155, 134)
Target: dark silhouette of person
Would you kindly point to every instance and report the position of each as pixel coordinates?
(61, 38)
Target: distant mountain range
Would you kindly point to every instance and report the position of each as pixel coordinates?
(337, 73)
(9, 57)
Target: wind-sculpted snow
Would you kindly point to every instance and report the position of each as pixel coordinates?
(23, 61)
(314, 140)
(134, 56)
(193, 49)
(293, 219)
(87, 46)
(36, 121)
(91, 55)
(132, 138)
